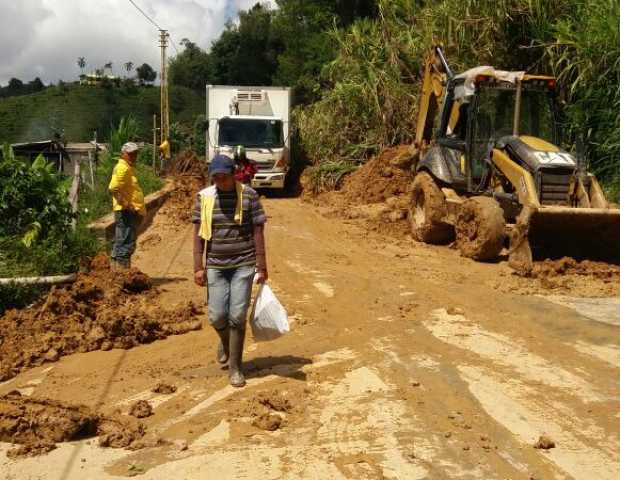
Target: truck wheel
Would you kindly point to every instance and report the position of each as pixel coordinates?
(480, 228)
(427, 210)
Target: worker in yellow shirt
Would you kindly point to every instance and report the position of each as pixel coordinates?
(128, 206)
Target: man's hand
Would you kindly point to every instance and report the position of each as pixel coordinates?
(199, 278)
(262, 276)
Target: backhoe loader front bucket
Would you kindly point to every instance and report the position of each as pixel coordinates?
(555, 232)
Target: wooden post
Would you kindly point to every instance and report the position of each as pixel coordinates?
(154, 139)
(92, 171)
(74, 193)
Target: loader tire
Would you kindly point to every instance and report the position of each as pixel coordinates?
(480, 228)
(427, 210)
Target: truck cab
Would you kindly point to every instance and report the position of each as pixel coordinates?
(256, 118)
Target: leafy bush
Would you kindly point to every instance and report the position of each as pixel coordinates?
(36, 237)
(326, 176)
(126, 131)
(33, 198)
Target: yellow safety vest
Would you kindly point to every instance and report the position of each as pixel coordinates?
(207, 202)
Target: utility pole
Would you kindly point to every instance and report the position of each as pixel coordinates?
(154, 139)
(165, 113)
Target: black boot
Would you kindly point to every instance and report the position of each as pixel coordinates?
(237, 336)
(223, 347)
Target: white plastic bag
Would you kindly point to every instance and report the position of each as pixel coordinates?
(269, 319)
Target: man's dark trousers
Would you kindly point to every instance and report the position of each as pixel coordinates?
(125, 236)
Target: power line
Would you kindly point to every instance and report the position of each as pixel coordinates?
(153, 23)
(145, 15)
(174, 45)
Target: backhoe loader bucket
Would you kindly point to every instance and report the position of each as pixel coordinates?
(555, 232)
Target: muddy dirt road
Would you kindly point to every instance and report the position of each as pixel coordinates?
(405, 361)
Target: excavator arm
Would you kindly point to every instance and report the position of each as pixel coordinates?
(436, 72)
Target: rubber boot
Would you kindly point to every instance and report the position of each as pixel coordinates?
(223, 347)
(237, 336)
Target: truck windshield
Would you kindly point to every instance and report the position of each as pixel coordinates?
(250, 133)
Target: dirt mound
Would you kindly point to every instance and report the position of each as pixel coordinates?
(268, 409)
(384, 176)
(274, 401)
(178, 207)
(37, 425)
(100, 310)
(187, 163)
(141, 409)
(570, 266)
(267, 421)
(377, 193)
(164, 389)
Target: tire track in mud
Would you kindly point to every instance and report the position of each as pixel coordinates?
(530, 396)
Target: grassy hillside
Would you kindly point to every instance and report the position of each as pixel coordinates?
(79, 110)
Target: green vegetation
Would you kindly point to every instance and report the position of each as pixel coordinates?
(328, 176)
(16, 87)
(36, 237)
(77, 111)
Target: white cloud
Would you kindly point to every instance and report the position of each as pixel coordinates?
(45, 37)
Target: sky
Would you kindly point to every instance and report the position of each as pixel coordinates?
(44, 38)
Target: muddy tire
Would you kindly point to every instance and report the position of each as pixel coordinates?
(480, 228)
(427, 209)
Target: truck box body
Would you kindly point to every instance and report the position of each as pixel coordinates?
(258, 119)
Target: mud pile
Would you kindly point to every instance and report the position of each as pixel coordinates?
(101, 310)
(37, 425)
(178, 207)
(268, 410)
(141, 409)
(164, 389)
(377, 193)
(570, 266)
(187, 163)
(385, 176)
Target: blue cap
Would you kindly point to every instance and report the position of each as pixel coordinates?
(222, 164)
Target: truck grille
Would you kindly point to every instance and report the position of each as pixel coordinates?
(553, 186)
(265, 166)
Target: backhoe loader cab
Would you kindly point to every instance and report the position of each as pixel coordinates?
(489, 168)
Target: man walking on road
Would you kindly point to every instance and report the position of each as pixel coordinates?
(229, 218)
(128, 206)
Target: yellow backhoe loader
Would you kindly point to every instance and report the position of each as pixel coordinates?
(489, 171)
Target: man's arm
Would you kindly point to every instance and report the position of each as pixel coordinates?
(261, 254)
(199, 248)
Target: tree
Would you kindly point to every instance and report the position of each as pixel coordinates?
(128, 66)
(81, 62)
(304, 28)
(35, 85)
(108, 66)
(246, 54)
(146, 74)
(99, 72)
(15, 87)
(190, 68)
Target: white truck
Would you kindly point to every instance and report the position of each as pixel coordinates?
(258, 119)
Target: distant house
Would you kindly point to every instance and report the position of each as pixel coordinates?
(94, 79)
(63, 156)
(53, 151)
